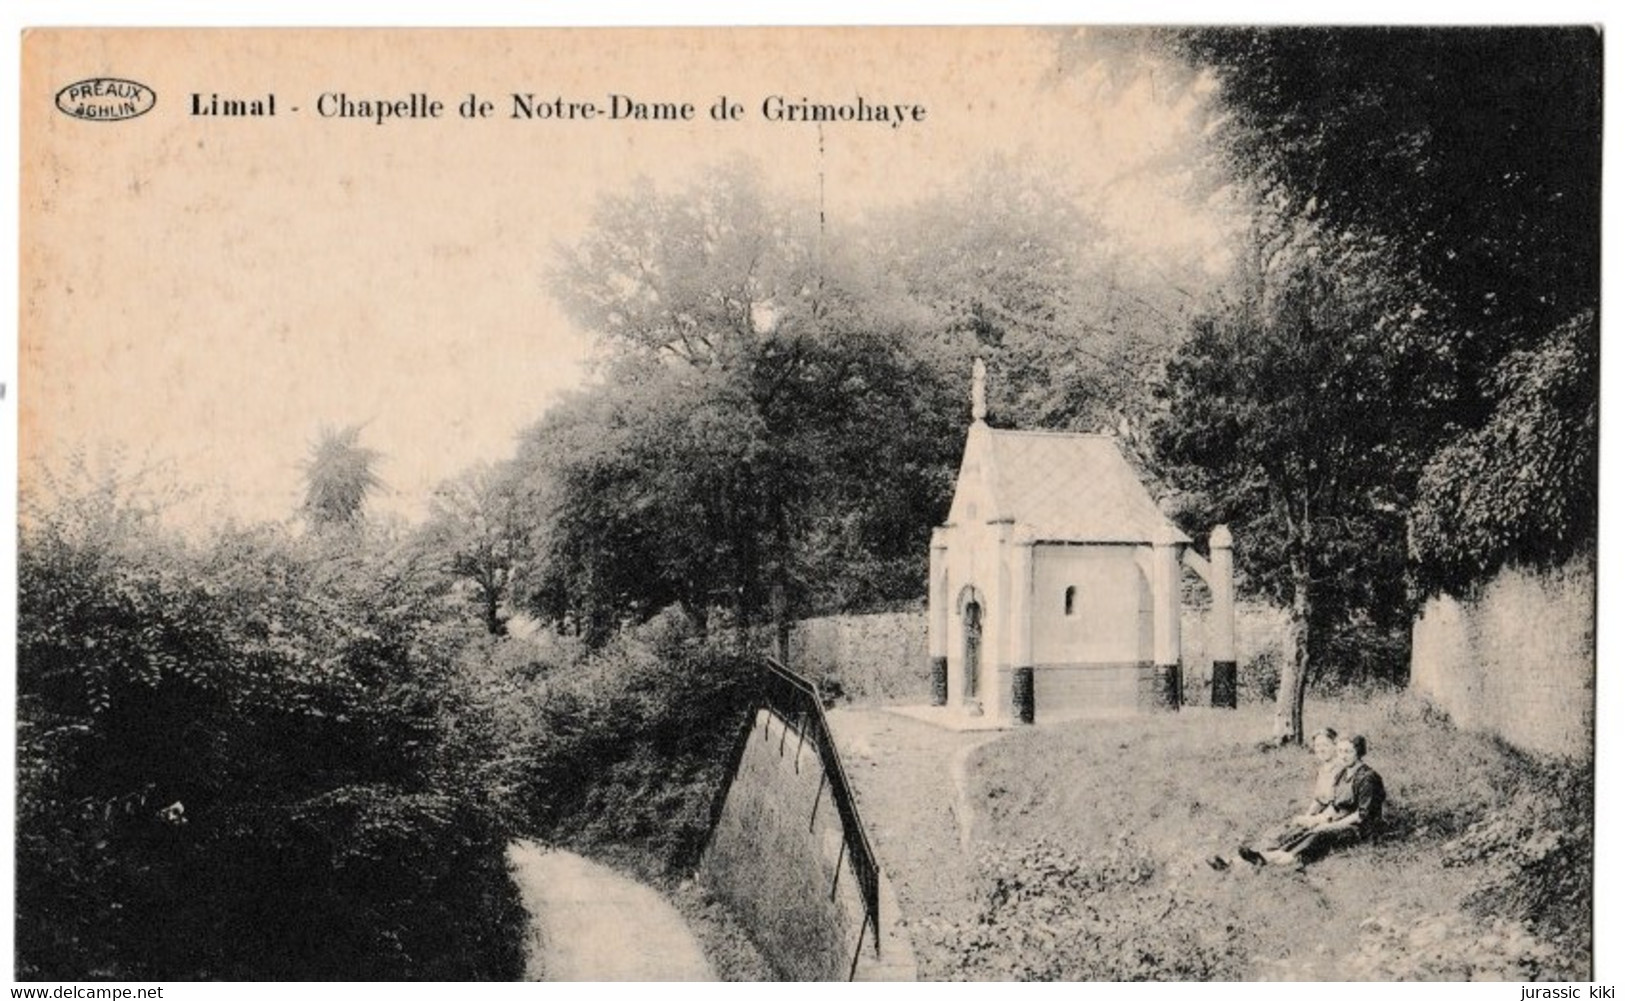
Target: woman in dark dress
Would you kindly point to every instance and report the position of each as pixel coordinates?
(1354, 813)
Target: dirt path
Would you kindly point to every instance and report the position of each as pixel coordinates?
(592, 923)
(912, 789)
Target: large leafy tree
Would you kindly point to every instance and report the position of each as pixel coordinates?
(1470, 159)
(707, 488)
(246, 757)
(1476, 153)
(1477, 150)
(1010, 268)
(1283, 420)
(476, 529)
(781, 418)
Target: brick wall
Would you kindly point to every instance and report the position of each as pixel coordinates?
(1517, 660)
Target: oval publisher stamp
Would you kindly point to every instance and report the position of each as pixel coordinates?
(106, 99)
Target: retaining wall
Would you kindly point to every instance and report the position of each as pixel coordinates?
(882, 659)
(1518, 659)
(776, 859)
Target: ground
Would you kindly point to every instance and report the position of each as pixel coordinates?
(1082, 850)
(589, 922)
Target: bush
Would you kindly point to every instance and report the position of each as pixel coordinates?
(250, 759)
(1535, 853)
(1361, 656)
(629, 750)
(1259, 678)
(1050, 913)
(1451, 946)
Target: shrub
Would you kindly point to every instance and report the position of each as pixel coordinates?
(1050, 913)
(629, 749)
(1452, 946)
(1535, 854)
(250, 759)
(1259, 678)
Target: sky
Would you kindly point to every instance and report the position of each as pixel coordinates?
(207, 293)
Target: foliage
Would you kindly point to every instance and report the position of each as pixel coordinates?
(1453, 946)
(627, 750)
(476, 529)
(1054, 913)
(779, 422)
(1407, 194)
(1285, 419)
(339, 475)
(1259, 678)
(1535, 853)
(246, 759)
(758, 428)
(1439, 144)
(1082, 788)
(1008, 267)
(1522, 488)
(1442, 141)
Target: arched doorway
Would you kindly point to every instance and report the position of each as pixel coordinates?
(973, 648)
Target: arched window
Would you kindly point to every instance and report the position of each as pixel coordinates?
(1071, 600)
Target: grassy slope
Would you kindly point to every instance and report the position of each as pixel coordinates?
(1138, 805)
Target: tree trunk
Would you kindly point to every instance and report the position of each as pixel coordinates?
(1295, 672)
(781, 586)
(491, 600)
(747, 579)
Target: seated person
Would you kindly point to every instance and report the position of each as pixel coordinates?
(1324, 746)
(1354, 813)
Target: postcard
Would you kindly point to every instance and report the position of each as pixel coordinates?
(957, 503)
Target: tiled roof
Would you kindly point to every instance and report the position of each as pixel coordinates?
(1071, 488)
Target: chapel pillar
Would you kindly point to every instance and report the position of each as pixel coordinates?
(937, 617)
(1165, 581)
(1022, 706)
(1222, 619)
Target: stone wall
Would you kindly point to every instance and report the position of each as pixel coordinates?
(777, 860)
(877, 659)
(1261, 630)
(1517, 659)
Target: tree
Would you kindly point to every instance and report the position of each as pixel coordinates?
(339, 476)
(1435, 149)
(703, 488)
(628, 487)
(756, 392)
(701, 277)
(1476, 154)
(1522, 489)
(1009, 268)
(246, 757)
(780, 417)
(476, 528)
(1284, 421)
(1443, 141)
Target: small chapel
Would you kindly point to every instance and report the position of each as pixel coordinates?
(1056, 583)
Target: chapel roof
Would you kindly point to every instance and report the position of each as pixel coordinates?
(1071, 488)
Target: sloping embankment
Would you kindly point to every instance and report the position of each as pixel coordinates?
(778, 859)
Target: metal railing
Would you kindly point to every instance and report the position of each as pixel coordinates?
(796, 702)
